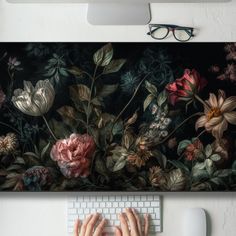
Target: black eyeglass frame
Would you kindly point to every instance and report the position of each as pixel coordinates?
(188, 30)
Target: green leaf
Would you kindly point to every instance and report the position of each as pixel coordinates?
(31, 154)
(162, 97)
(80, 92)
(10, 183)
(75, 71)
(120, 164)
(217, 181)
(179, 165)
(19, 160)
(114, 66)
(208, 150)
(151, 88)
(176, 180)
(209, 166)
(215, 157)
(223, 173)
(103, 56)
(234, 165)
(199, 171)
(45, 149)
(161, 158)
(63, 72)
(117, 128)
(108, 89)
(68, 115)
(182, 145)
(147, 101)
(14, 167)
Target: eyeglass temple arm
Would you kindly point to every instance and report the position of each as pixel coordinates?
(152, 31)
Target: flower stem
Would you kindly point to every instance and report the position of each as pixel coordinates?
(10, 127)
(50, 130)
(200, 100)
(131, 99)
(93, 78)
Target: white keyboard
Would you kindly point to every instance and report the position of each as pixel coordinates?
(110, 204)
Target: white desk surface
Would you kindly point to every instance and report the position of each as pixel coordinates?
(67, 22)
(45, 214)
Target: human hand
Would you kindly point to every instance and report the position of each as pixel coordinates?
(91, 226)
(130, 224)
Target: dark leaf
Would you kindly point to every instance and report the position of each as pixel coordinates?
(76, 71)
(147, 101)
(107, 90)
(103, 56)
(80, 92)
(151, 88)
(114, 66)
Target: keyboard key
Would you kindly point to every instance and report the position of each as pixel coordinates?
(140, 204)
(155, 204)
(118, 198)
(105, 210)
(137, 198)
(112, 210)
(72, 211)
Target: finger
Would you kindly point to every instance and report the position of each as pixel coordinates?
(123, 225)
(118, 231)
(100, 228)
(84, 225)
(146, 224)
(138, 221)
(132, 221)
(77, 227)
(91, 224)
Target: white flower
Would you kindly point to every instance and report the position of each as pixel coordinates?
(34, 101)
(218, 112)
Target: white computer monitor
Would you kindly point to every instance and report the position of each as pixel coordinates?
(117, 12)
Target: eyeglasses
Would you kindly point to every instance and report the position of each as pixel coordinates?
(181, 33)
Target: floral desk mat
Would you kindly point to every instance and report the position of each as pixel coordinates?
(117, 116)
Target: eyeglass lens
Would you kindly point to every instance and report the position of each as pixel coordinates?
(159, 32)
(182, 34)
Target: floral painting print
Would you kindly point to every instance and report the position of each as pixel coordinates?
(117, 117)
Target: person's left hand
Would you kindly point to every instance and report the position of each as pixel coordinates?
(92, 226)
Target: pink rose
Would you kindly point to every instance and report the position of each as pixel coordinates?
(184, 88)
(73, 155)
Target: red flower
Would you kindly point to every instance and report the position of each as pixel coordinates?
(184, 88)
(73, 155)
(193, 150)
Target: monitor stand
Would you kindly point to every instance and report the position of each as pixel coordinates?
(119, 13)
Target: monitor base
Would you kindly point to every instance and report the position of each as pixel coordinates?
(119, 13)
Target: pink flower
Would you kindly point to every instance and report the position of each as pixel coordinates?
(184, 88)
(73, 155)
(2, 97)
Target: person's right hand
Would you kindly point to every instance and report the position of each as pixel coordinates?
(130, 224)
